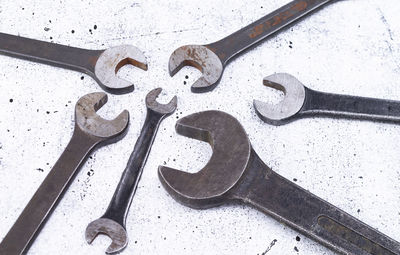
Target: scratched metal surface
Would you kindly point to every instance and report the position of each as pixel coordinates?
(351, 47)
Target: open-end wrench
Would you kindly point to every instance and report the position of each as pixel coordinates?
(235, 172)
(112, 223)
(211, 59)
(300, 101)
(101, 65)
(90, 131)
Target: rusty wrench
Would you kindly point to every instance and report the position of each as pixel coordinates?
(235, 172)
(112, 223)
(300, 101)
(101, 65)
(90, 131)
(211, 59)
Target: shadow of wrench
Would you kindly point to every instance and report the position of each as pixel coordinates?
(211, 59)
(101, 65)
(236, 173)
(300, 101)
(112, 223)
(90, 131)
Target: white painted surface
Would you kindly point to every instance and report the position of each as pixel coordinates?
(350, 47)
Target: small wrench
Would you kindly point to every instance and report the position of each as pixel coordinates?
(90, 131)
(101, 65)
(211, 59)
(112, 223)
(300, 101)
(235, 172)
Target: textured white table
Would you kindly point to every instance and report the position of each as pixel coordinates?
(351, 47)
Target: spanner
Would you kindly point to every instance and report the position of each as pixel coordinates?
(112, 223)
(235, 172)
(101, 65)
(300, 101)
(91, 131)
(211, 59)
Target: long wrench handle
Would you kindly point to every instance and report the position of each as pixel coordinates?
(350, 106)
(41, 205)
(246, 37)
(122, 198)
(49, 53)
(314, 217)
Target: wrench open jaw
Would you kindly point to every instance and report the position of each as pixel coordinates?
(236, 172)
(231, 153)
(202, 58)
(163, 109)
(111, 60)
(112, 229)
(294, 98)
(87, 120)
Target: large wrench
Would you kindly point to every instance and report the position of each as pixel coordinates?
(101, 65)
(235, 172)
(90, 131)
(300, 101)
(112, 223)
(211, 59)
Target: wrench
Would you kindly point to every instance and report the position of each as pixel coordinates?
(211, 59)
(101, 65)
(235, 172)
(300, 101)
(112, 223)
(90, 131)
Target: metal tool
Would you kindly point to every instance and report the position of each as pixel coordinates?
(235, 172)
(112, 223)
(300, 101)
(101, 65)
(211, 59)
(90, 131)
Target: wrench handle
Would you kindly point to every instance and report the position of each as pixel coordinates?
(122, 198)
(246, 37)
(314, 217)
(350, 106)
(41, 205)
(76, 59)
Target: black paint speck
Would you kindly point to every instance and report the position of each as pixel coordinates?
(47, 112)
(51, 38)
(298, 238)
(46, 29)
(159, 217)
(294, 179)
(11, 100)
(186, 77)
(82, 77)
(296, 249)
(184, 82)
(72, 31)
(95, 27)
(358, 210)
(39, 169)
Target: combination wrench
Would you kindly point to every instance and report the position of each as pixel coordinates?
(101, 65)
(91, 131)
(211, 59)
(235, 172)
(300, 101)
(112, 223)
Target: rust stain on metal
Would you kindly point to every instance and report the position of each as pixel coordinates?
(278, 19)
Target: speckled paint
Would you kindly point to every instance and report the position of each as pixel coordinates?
(350, 47)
